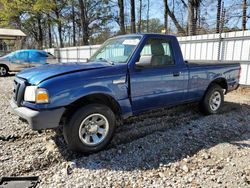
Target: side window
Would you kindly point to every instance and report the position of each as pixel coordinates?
(13, 56)
(37, 57)
(33, 57)
(158, 52)
(23, 56)
(43, 54)
(42, 57)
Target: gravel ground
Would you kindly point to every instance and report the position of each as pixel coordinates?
(176, 147)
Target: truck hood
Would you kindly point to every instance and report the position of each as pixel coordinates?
(36, 75)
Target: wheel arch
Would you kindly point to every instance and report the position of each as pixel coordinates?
(222, 82)
(99, 98)
(204, 102)
(6, 66)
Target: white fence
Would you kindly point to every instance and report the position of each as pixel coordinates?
(232, 46)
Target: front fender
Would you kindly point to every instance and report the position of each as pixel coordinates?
(124, 103)
(77, 94)
(65, 94)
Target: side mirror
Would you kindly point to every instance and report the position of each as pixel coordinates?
(144, 62)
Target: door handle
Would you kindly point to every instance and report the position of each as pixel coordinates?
(176, 73)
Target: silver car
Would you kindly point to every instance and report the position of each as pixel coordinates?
(21, 59)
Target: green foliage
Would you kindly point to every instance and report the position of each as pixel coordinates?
(43, 5)
(155, 25)
(15, 11)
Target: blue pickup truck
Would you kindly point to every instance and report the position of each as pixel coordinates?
(128, 75)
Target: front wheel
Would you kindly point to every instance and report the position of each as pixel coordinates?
(90, 129)
(213, 100)
(3, 70)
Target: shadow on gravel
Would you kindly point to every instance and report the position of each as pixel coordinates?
(165, 136)
(11, 75)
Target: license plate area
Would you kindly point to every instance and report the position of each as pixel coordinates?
(20, 182)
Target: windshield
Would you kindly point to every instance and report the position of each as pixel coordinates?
(117, 50)
(10, 55)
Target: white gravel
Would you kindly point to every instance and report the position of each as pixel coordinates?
(177, 147)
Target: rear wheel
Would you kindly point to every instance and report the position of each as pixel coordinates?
(213, 100)
(90, 129)
(3, 70)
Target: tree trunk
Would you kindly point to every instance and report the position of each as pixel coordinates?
(74, 24)
(218, 16)
(244, 14)
(60, 33)
(199, 17)
(196, 18)
(166, 16)
(148, 17)
(40, 32)
(121, 16)
(140, 12)
(176, 23)
(191, 20)
(84, 24)
(49, 33)
(59, 24)
(132, 9)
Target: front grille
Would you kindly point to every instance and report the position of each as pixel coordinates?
(18, 90)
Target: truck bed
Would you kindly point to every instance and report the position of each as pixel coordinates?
(201, 73)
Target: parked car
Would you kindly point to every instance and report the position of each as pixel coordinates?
(128, 75)
(22, 59)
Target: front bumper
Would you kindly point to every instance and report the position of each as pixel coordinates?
(39, 120)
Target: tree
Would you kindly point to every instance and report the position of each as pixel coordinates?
(148, 16)
(174, 19)
(84, 23)
(49, 23)
(132, 16)
(140, 15)
(166, 16)
(121, 16)
(73, 22)
(29, 16)
(244, 14)
(57, 9)
(218, 17)
(93, 15)
(193, 11)
(154, 25)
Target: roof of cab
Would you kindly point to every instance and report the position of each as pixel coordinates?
(146, 35)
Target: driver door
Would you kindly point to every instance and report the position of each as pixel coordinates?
(160, 83)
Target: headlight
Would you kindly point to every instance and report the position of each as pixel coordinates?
(30, 94)
(34, 94)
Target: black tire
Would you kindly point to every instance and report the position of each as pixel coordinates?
(205, 103)
(71, 129)
(3, 70)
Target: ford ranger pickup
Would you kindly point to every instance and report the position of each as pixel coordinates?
(126, 76)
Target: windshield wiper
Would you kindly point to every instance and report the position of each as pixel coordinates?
(108, 61)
